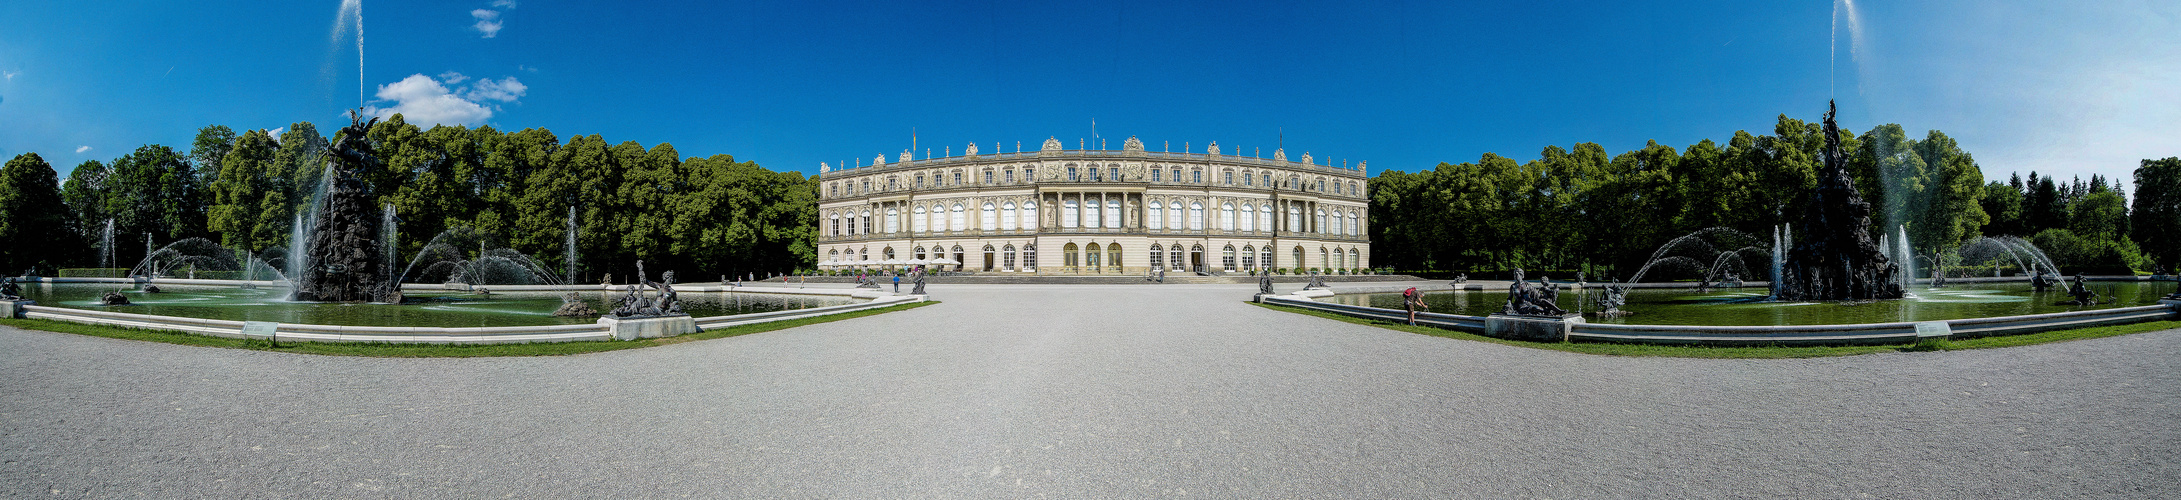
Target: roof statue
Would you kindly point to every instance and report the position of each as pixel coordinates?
(880, 161)
(971, 150)
(1279, 154)
(1051, 144)
(1132, 144)
(1306, 157)
(906, 156)
(1212, 149)
(1359, 165)
(822, 168)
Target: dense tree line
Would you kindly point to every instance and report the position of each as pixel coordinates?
(702, 216)
(1581, 209)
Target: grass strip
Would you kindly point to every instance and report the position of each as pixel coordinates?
(389, 350)
(1750, 352)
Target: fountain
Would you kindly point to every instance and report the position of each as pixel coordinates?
(570, 258)
(445, 259)
(1711, 254)
(345, 259)
(1839, 261)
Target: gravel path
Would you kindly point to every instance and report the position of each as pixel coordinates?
(1092, 391)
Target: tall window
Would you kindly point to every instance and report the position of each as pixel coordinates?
(1155, 216)
(1319, 227)
(851, 223)
(1249, 257)
(1158, 255)
(1298, 258)
(1114, 172)
(1177, 174)
(1030, 219)
(1196, 176)
(1227, 177)
(1113, 213)
(1029, 257)
(1355, 258)
(867, 223)
(1071, 176)
(1353, 221)
(1113, 256)
(1010, 176)
(833, 190)
(1264, 257)
(1155, 175)
(959, 220)
(836, 224)
(1173, 216)
(1196, 216)
(1337, 223)
(1226, 258)
(1226, 217)
(1008, 219)
(1248, 218)
(1029, 174)
(1090, 213)
(1294, 219)
(1094, 175)
(893, 220)
(988, 176)
(989, 218)
(920, 181)
(1264, 218)
(866, 186)
(1175, 262)
(1068, 214)
(1007, 259)
(1321, 186)
(957, 177)
(893, 183)
(1322, 259)
(1354, 190)
(1336, 187)
(1090, 257)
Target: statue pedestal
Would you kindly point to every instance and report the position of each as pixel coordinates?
(13, 309)
(648, 327)
(1532, 328)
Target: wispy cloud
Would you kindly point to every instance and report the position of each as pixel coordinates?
(425, 101)
(82, 149)
(488, 22)
(504, 4)
(10, 75)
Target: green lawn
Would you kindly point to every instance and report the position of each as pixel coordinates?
(431, 350)
(1678, 351)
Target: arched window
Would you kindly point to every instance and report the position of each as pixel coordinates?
(1298, 264)
(1009, 220)
(1158, 254)
(920, 253)
(1007, 261)
(1155, 215)
(917, 220)
(1322, 259)
(958, 221)
(959, 258)
(1113, 213)
(989, 218)
(1090, 214)
(1320, 226)
(1196, 257)
(1113, 256)
(1264, 217)
(1226, 258)
(989, 258)
(1029, 257)
(1090, 256)
(1226, 217)
(1355, 258)
(886, 254)
(1338, 222)
(867, 222)
(1175, 261)
(1029, 215)
(1068, 257)
(1340, 258)
(1068, 215)
(1196, 216)
(1352, 223)
(1264, 257)
(893, 220)
(833, 255)
(851, 223)
(1249, 257)
(1248, 219)
(1174, 220)
(1294, 219)
(836, 224)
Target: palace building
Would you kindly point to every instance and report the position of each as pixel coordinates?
(1058, 211)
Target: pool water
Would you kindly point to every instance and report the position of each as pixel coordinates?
(1747, 306)
(451, 309)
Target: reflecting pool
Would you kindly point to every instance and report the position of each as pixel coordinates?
(448, 309)
(1747, 306)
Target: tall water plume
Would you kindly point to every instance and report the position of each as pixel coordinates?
(571, 257)
(352, 10)
(1845, 10)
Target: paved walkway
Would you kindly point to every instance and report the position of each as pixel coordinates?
(1093, 391)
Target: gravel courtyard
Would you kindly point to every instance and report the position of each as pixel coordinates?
(1089, 391)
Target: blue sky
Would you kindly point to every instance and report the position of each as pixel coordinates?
(2055, 87)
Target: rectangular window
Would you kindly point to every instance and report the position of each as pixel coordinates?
(1196, 176)
(1155, 175)
(1010, 177)
(1115, 173)
(987, 177)
(957, 177)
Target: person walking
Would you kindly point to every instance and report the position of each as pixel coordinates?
(897, 282)
(1413, 300)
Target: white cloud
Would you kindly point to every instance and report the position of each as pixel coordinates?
(11, 75)
(81, 149)
(505, 4)
(424, 101)
(488, 22)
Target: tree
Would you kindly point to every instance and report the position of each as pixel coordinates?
(245, 179)
(153, 190)
(85, 194)
(2156, 221)
(2003, 203)
(34, 221)
(209, 150)
(1951, 211)
(2098, 216)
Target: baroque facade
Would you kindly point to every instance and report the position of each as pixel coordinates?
(1058, 211)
